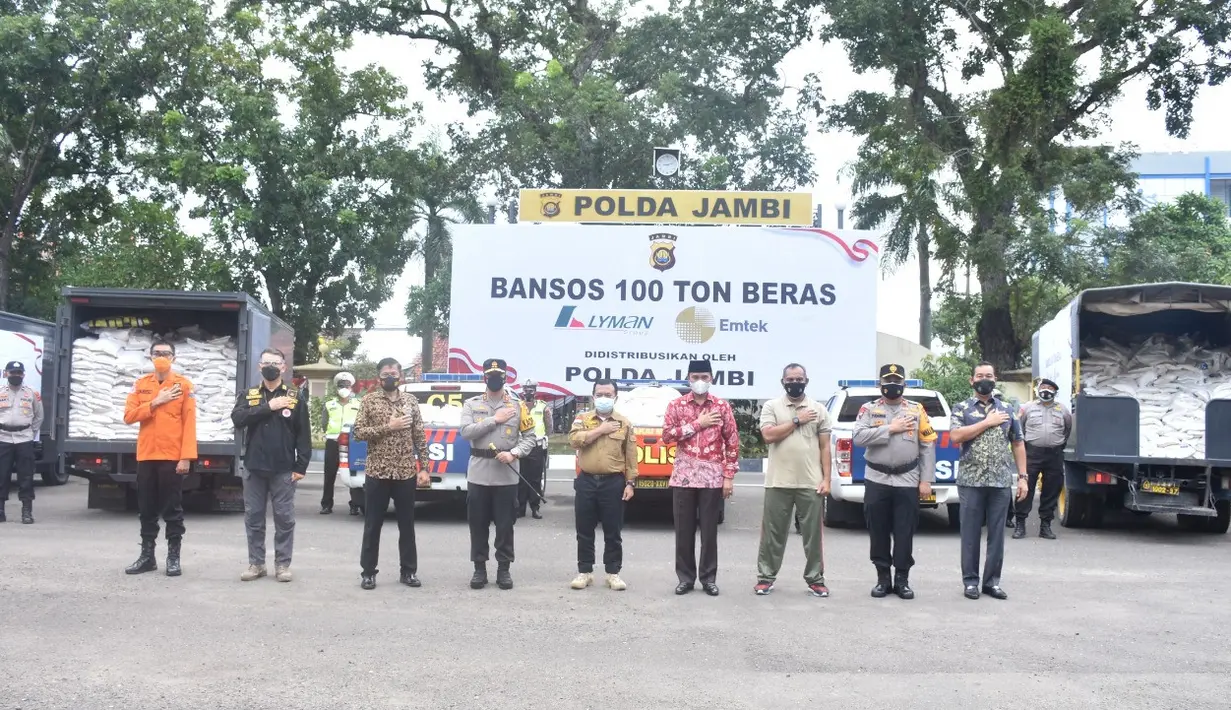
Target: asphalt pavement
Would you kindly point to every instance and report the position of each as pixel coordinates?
(1132, 616)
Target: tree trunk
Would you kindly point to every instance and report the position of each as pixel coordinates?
(923, 248)
(997, 339)
(429, 345)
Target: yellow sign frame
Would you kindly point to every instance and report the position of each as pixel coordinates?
(551, 205)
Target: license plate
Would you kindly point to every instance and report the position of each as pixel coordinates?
(653, 482)
(1162, 488)
(928, 499)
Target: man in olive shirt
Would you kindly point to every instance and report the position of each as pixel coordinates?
(607, 452)
(796, 429)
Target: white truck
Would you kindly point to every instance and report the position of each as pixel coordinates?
(844, 504)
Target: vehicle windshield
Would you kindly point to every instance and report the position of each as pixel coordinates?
(850, 408)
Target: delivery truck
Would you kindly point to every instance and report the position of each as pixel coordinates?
(103, 338)
(32, 343)
(1146, 369)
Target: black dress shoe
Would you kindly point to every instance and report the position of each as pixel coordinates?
(410, 579)
(1009, 523)
(326, 510)
(536, 514)
(710, 589)
(354, 510)
(367, 581)
(995, 593)
(684, 588)
(972, 592)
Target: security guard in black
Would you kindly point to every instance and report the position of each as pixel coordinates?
(274, 440)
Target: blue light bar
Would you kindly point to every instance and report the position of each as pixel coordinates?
(651, 383)
(875, 383)
(451, 377)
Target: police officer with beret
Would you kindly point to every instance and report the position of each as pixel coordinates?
(1046, 425)
(900, 463)
(21, 416)
(501, 433)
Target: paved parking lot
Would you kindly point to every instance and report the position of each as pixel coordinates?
(1134, 616)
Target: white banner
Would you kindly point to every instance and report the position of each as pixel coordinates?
(568, 304)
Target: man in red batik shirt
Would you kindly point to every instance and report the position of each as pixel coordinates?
(706, 460)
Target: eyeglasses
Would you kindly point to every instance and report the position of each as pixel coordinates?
(163, 353)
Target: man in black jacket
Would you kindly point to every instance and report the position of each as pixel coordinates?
(278, 447)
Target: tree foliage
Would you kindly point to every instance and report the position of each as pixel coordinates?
(947, 374)
(1187, 240)
(1048, 73)
(314, 208)
(81, 84)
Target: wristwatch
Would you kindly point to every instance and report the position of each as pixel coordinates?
(796, 420)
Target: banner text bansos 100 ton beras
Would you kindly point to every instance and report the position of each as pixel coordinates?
(765, 292)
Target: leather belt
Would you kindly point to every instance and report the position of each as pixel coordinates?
(610, 473)
(892, 470)
(484, 453)
(13, 427)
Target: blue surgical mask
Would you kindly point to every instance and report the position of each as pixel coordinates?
(604, 405)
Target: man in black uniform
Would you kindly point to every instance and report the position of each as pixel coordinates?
(278, 447)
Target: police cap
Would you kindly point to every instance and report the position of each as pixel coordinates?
(15, 367)
(529, 385)
(893, 372)
(494, 364)
(1049, 383)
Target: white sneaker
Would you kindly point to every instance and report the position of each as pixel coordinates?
(284, 573)
(253, 572)
(582, 580)
(616, 584)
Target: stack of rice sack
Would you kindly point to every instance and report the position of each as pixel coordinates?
(108, 361)
(1171, 378)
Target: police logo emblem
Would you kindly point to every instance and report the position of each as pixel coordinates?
(662, 251)
(549, 204)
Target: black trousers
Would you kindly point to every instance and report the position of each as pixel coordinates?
(21, 457)
(600, 500)
(376, 495)
(160, 493)
(696, 508)
(1048, 463)
(532, 469)
(486, 505)
(332, 460)
(892, 514)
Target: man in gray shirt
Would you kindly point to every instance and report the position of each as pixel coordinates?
(500, 431)
(1046, 425)
(900, 465)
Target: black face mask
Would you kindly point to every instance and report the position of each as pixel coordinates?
(795, 390)
(389, 383)
(16, 380)
(892, 391)
(271, 372)
(495, 382)
(985, 387)
(1047, 395)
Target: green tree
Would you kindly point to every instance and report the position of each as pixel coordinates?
(1185, 240)
(81, 81)
(446, 196)
(575, 95)
(1049, 73)
(947, 374)
(314, 206)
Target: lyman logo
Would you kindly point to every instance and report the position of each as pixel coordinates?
(569, 319)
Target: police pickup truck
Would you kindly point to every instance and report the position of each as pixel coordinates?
(844, 504)
(440, 397)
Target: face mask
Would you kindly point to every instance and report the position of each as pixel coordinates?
(699, 387)
(604, 405)
(1047, 395)
(892, 391)
(795, 390)
(271, 372)
(495, 382)
(344, 393)
(389, 383)
(984, 387)
(162, 365)
(16, 380)
(530, 396)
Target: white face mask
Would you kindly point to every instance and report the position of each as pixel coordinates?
(699, 387)
(604, 405)
(344, 392)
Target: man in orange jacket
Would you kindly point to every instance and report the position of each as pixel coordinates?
(164, 404)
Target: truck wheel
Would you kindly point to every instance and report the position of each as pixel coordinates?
(54, 477)
(1073, 508)
(1219, 524)
(841, 514)
(955, 516)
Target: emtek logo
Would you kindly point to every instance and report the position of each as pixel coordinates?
(568, 320)
(697, 325)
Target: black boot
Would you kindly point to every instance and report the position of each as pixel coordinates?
(173, 557)
(901, 585)
(2, 518)
(504, 579)
(479, 580)
(1044, 531)
(146, 562)
(27, 512)
(883, 584)
(1020, 530)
